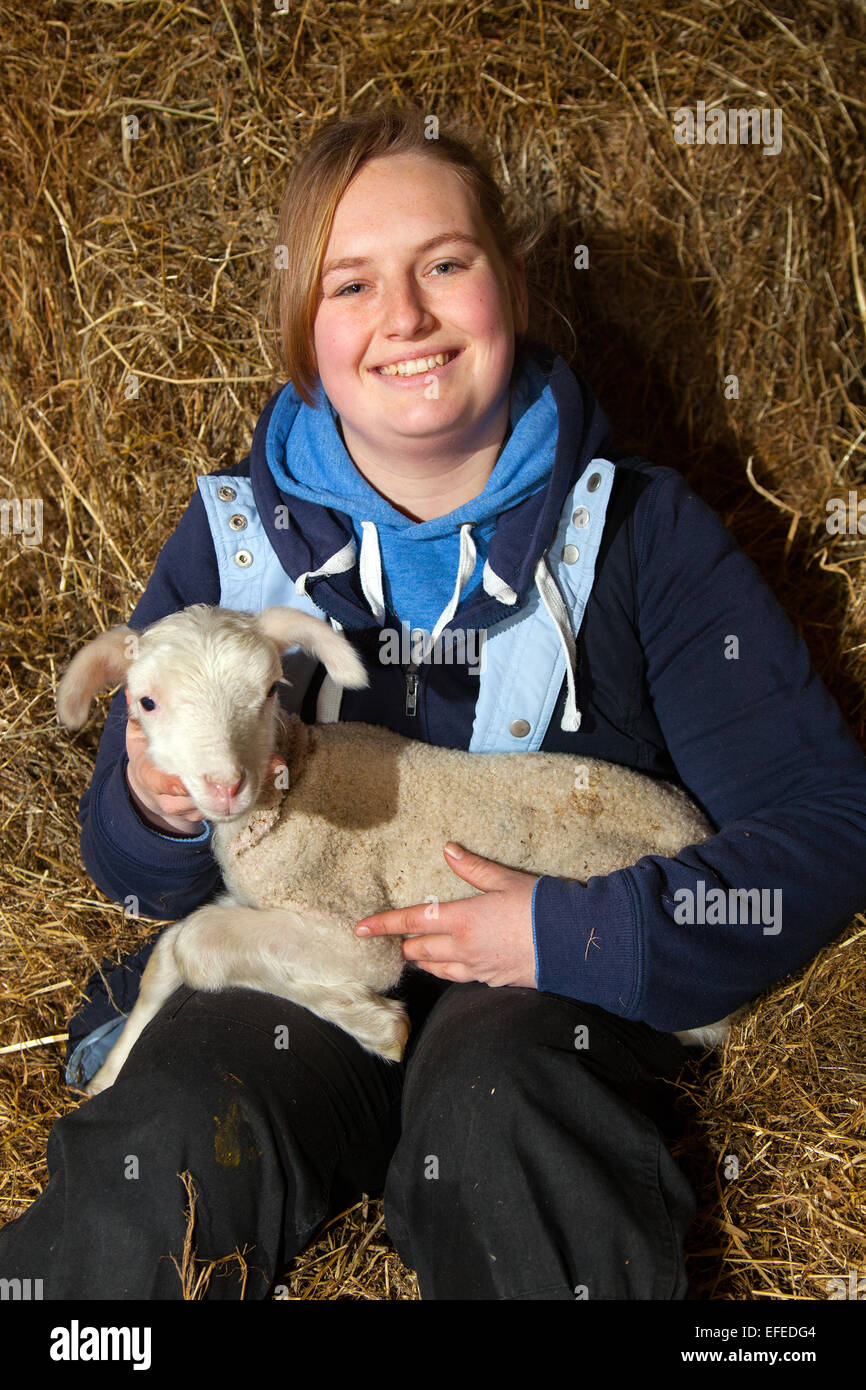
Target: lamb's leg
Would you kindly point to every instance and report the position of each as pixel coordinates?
(159, 981)
(713, 1034)
(304, 956)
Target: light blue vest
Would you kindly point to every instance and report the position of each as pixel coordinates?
(523, 664)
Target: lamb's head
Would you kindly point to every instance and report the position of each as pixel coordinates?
(202, 683)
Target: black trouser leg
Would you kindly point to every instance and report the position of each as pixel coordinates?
(532, 1168)
(276, 1139)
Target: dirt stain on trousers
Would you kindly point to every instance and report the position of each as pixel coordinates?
(233, 1137)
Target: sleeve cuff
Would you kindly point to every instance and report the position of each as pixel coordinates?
(587, 941)
(201, 839)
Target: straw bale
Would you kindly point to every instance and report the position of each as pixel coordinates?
(147, 258)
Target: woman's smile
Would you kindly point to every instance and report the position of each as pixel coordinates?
(411, 369)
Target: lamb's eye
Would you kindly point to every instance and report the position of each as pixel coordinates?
(272, 691)
(147, 703)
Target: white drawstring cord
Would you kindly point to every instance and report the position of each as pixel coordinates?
(370, 570)
(465, 566)
(496, 587)
(341, 561)
(553, 602)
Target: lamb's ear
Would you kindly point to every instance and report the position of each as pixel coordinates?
(103, 663)
(288, 627)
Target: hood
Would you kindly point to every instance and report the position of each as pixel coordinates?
(408, 566)
(364, 563)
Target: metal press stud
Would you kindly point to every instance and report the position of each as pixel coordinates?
(519, 728)
(237, 522)
(243, 558)
(581, 517)
(593, 482)
(570, 553)
(226, 493)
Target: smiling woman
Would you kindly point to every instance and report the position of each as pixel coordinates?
(522, 1142)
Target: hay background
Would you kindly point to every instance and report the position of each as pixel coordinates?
(152, 258)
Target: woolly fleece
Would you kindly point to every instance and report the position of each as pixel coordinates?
(362, 824)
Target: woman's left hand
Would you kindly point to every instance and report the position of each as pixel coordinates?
(487, 937)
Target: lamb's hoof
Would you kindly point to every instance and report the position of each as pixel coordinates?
(392, 1048)
(101, 1082)
(379, 1025)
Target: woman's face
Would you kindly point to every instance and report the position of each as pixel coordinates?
(426, 278)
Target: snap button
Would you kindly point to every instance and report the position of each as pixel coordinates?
(226, 493)
(581, 517)
(519, 728)
(570, 553)
(243, 558)
(593, 482)
(237, 522)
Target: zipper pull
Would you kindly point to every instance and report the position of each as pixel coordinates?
(411, 692)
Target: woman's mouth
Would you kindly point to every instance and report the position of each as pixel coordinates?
(418, 366)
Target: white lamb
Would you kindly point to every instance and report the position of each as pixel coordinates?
(356, 827)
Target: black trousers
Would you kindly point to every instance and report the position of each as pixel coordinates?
(520, 1146)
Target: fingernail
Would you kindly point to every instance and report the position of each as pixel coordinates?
(454, 850)
(363, 931)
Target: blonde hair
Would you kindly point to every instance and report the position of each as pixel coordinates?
(317, 183)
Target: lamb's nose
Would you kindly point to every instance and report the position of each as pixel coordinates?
(225, 791)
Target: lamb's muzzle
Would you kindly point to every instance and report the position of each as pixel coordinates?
(348, 836)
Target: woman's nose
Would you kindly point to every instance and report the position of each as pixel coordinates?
(404, 308)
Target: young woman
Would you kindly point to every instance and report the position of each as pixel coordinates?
(429, 469)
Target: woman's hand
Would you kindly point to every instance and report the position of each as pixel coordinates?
(486, 938)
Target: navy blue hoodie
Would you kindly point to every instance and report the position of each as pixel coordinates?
(746, 727)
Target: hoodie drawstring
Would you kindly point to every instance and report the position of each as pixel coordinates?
(339, 562)
(465, 567)
(370, 570)
(553, 602)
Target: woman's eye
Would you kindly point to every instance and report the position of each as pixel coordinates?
(357, 285)
(147, 703)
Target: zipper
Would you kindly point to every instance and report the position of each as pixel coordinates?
(412, 690)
